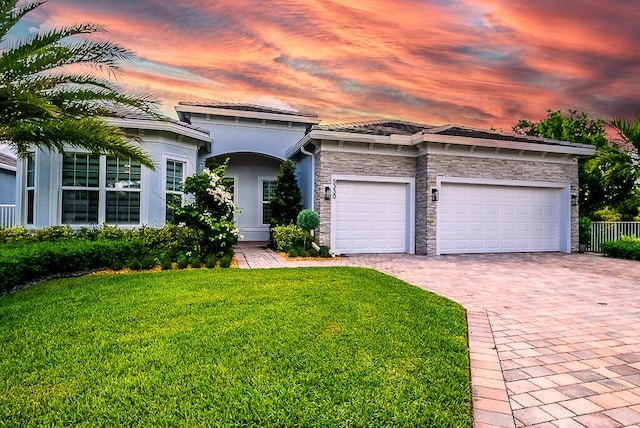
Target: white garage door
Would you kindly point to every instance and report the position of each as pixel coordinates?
(370, 217)
(474, 218)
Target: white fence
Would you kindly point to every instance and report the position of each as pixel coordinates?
(603, 231)
(7, 215)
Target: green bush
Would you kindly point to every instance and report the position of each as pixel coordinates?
(292, 252)
(225, 260)
(41, 259)
(210, 261)
(285, 237)
(324, 251)
(584, 230)
(628, 247)
(167, 263)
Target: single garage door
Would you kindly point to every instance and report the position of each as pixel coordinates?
(370, 217)
(476, 218)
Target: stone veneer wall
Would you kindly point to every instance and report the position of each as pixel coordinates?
(429, 167)
(330, 163)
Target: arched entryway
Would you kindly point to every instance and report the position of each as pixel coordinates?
(253, 178)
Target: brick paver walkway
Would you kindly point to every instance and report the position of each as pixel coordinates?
(554, 338)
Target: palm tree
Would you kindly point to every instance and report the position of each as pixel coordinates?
(46, 103)
(622, 166)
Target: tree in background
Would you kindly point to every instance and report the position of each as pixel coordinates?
(596, 192)
(45, 103)
(286, 202)
(621, 168)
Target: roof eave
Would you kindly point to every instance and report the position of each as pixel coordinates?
(226, 112)
(550, 147)
(157, 125)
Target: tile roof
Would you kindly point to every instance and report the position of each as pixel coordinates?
(139, 115)
(247, 107)
(387, 127)
(376, 127)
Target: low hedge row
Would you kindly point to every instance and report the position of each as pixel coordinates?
(41, 259)
(627, 247)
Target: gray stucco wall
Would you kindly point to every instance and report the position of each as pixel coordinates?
(430, 167)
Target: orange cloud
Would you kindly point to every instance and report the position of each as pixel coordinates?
(474, 62)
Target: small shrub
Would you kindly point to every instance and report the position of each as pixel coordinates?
(225, 260)
(584, 230)
(14, 234)
(324, 251)
(148, 262)
(626, 248)
(182, 261)
(196, 263)
(312, 252)
(117, 265)
(288, 236)
(292, 252)
(211, 261)
(134, 264)
(167, 263)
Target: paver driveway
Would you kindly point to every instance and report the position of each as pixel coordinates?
(554, 338)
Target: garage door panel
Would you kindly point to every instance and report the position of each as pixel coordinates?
(370, 217)
(478, 218)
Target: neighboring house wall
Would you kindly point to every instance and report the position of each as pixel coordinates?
(7, 186)
(527, 167)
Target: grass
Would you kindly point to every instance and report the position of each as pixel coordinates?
(282, 347)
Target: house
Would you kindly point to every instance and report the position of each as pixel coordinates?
(378, 186)
(84, 189)
(7, 189)
(255, 139)
(390, 186)
(7, 179)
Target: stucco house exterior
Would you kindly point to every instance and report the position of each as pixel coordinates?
(83, 189)
(378, 186)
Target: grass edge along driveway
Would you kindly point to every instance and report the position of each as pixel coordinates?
(277, 347)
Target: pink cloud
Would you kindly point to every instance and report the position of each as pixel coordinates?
(475, 62)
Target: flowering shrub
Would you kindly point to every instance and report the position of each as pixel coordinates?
(211, 212)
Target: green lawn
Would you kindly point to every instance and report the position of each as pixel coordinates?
(281, 347)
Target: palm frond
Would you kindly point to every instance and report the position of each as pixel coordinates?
(11, 15)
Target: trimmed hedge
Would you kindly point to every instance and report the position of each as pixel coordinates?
(627, 247)
(36, 260)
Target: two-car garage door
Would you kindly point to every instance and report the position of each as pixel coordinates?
(482, 218)
(378, 217)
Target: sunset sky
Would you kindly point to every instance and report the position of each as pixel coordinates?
(479, 63)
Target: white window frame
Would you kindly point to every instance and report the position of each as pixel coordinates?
(25, 203)
(180, 193)
(102, 190)
(261, 201)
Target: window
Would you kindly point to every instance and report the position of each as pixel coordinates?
(98, 189)
(173, 191)
(80, 184)
(122, 191)
(30, 188)
(268, 190)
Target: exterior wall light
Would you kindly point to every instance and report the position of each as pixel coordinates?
(574, 199)
(435, 195)
(327, 193)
